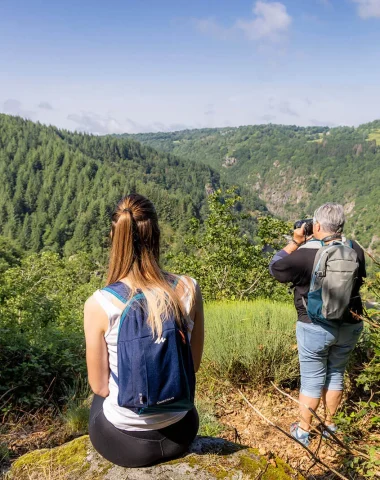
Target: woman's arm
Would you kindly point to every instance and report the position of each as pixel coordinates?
(95, 325)
(197, 335)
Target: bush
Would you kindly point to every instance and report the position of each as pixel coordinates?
(41, 334)
(251, 342)
(360, 419)
(35, 369)
(227, 264)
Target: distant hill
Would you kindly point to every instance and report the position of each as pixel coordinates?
(293, 169)
(58, 188)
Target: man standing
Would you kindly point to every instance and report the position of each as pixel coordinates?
(324, 346)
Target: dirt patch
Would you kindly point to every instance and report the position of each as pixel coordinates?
(26, 432)
(245, 426)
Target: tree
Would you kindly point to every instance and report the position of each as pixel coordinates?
(226, 263)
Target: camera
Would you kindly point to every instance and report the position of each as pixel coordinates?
(308, 226)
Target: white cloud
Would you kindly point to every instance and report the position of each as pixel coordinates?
(93, 123)
(368, 8)
(45, 106)
(272, 22)
(103, 125)
(14, 107)
(209, 26)
(321, 123)
(210, 109)
(131, 126)
(287, 109)
(268, 118)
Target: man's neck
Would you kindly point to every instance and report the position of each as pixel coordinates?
(330, 237)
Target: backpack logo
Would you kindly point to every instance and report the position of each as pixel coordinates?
(160, 340)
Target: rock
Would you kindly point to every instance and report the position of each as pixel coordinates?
(208, 459)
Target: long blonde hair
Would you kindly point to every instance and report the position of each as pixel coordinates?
(135, 253)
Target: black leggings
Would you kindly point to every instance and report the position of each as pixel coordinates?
(140, 448)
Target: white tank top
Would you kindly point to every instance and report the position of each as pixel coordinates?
(122, 417)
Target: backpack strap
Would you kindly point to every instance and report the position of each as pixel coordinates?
(320, 267)
(335, 236)
(312, 244)
(119, 290)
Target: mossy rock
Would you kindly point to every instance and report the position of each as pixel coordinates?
(209, 458)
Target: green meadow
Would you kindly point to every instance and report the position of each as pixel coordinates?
(251, 342)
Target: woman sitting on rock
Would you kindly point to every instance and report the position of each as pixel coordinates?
(144, 341)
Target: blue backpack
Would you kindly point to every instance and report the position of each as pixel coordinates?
(155, 375)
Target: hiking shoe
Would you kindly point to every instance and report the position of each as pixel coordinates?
(298, 434)
(326, 431)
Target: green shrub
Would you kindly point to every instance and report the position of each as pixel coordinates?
(360, 420)
(41, 334)
(34, 369)
(251, 342)
(227, 265)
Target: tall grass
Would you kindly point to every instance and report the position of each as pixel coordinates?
(76, 412)
(251, 342)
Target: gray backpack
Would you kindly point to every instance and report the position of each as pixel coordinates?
(334, 275)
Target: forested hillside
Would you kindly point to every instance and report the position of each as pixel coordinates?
(293, 169)
(58, 188)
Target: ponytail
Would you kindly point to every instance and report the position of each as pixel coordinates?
(134, 254)
(121, 257)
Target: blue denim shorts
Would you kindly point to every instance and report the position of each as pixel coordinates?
(323, 352)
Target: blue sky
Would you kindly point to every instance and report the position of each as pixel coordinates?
(133, 66)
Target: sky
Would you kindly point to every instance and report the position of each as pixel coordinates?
(146, 66)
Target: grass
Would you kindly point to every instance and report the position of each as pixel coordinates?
(76, 418)
(374, 135)
(209, 425)
(251, 342)
(317, 140)
(4, 453)
(77, 409)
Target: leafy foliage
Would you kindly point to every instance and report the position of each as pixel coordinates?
(226, 263)
(360, 421)
(10, 254)
(369, 378)
(41, 337)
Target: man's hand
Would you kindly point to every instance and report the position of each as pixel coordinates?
(299, 237)
(299, 234)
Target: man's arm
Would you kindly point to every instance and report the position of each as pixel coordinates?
(292, 247)
(286, 267)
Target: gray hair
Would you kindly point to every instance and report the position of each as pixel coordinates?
(331, 217)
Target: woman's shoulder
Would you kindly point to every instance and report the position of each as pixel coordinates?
(185, 280)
